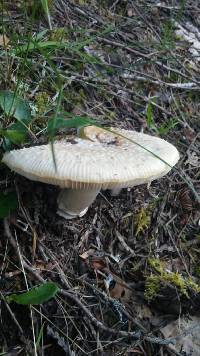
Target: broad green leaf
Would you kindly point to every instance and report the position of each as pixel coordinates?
(16, 133)
(8, 203)
(15, 106)
(74, 122)
(7, 144)
(20, 109)
(36, 295)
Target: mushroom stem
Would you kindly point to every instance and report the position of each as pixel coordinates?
(74, 203)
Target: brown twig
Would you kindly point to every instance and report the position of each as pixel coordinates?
(124, 244)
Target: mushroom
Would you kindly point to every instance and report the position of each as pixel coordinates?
(97, 159)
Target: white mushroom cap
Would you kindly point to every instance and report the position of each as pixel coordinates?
(101, 160)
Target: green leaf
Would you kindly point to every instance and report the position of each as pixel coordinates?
(36, 295)
(74, 122)
(8, 203)
(19, 108)
(15, 106)
(16, 133)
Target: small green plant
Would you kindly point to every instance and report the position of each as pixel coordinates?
(156, 264)
(152, 286)
(41, 101)
(162, 129)
(197, 271)
(167, 36)
(142, 221)
(149, 115)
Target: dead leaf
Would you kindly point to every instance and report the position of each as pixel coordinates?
(189, 134)
(174, 265)
(130, 12)
(12, 274)
(4, 40)
(193, 159)
(41, 265)
(87, 253)
(93, 260)
(142, 311)
(119, 291)
(97, 262)
(78, 110)
(189, 339)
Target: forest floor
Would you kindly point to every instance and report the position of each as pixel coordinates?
(129, 270)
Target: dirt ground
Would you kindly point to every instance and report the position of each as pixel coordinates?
(128, 271)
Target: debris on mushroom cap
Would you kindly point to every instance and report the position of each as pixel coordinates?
(101, 135)
(101, 160)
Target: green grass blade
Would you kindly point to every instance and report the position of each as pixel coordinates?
(45, 7)
(40, 335)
